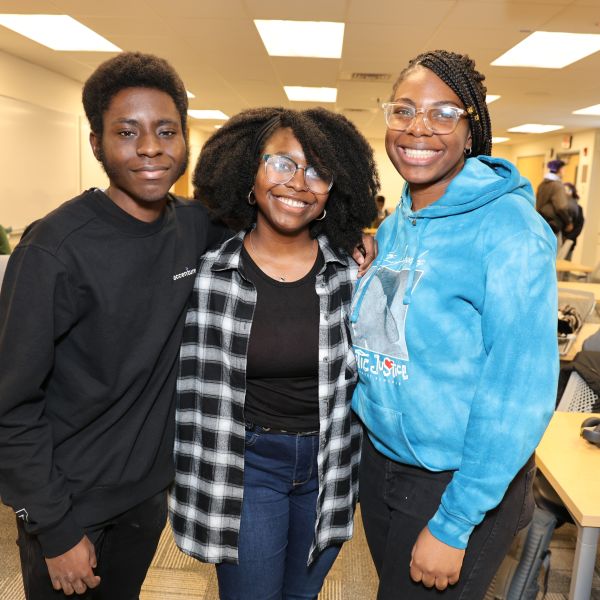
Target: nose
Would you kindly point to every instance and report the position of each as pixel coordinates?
(298, 181)
(148, 144)
(418, 126)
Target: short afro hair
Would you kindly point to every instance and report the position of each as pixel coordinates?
(230, 159)
(129, 70)
(458, 72)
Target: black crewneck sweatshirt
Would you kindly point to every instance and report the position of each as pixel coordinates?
(91, 316)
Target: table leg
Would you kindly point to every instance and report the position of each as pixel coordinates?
(585, 560)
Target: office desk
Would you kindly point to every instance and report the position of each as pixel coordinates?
(572, 465)
(566, 266)
(586, 330)
(581, 286)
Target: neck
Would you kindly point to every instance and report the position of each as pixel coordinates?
(138, 209)
(286, 258)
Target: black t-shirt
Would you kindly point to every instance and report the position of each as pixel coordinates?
(282, 383)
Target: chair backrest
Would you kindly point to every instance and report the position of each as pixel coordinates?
(578, 396)
(563, 250)
(3, 263)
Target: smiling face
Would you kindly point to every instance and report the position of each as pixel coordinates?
(286, 208)
(142, 150)
(427, 161)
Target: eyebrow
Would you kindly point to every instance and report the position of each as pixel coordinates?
(135, 122)
(438, 103)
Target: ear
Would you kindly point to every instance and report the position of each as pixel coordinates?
(469, 143)
(95, 144)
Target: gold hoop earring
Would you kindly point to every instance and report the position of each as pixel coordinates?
(322, 216)
(251, 201)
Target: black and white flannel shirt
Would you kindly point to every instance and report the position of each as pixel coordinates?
(206, 499)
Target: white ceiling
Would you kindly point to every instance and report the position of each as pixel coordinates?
(217, 50)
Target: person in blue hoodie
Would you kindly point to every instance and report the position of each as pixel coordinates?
(454, 332)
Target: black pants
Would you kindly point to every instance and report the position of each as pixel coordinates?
(124, 547)
(398, 500)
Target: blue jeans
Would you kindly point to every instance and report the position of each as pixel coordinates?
(278, 522)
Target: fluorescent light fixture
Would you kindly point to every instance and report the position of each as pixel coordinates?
(310, 94)
(189, 94)
(208, 114)
(58, 32)
(310, 39)
(499, 140)
(590, 110)
(550, 50)
(492, 98)
(218, 126)
(535, 128)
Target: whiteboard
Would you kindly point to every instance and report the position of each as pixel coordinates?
(39, 160)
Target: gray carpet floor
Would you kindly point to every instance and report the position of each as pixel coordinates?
(174, 576)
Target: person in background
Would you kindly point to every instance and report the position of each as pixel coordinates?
(454, 332)
(382, 212)
(4, 242)
(576, 214)
(267, 447)
(551, 200)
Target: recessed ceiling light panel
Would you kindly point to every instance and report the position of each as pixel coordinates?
(310, 94)
(58, 32)
(499, 140)
(208, 114)
(590, 110)
(540, 50)
(309, 39)
(535, 128)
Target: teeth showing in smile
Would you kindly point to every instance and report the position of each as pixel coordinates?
(414, 153)
(291, 202)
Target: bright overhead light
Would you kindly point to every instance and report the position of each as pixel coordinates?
(58, 32)
(535, 128)
(499, 140)
(492, 98)
(189, 94)
(208, 114)
(540, 50)
(590, 110)
(310, 94)
(311, 39)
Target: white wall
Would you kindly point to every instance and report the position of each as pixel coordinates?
(45, 154)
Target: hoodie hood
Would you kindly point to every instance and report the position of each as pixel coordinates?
(482, 180)
(494, 176)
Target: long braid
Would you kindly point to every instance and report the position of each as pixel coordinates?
(458, 72)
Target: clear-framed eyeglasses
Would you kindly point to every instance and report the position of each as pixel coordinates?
(281, 169)
(442, 120)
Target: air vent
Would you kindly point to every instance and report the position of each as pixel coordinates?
(370, 76)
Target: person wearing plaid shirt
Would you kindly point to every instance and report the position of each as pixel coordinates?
(267, 447)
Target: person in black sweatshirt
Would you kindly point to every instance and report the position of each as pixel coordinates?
(91, 315)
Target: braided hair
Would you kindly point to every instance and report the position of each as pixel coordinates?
(231, 157)
(458, 72)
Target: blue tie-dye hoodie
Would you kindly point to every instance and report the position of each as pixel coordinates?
(454, 331)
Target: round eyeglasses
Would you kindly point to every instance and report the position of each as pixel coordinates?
(281, 169)
(442, 120)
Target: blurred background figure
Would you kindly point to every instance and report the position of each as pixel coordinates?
(4, 243)
(382, 212)
(551, 199)
(576, 214)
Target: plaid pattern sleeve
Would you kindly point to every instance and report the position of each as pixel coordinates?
(206, 498)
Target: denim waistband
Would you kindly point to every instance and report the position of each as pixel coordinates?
(262, 429)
